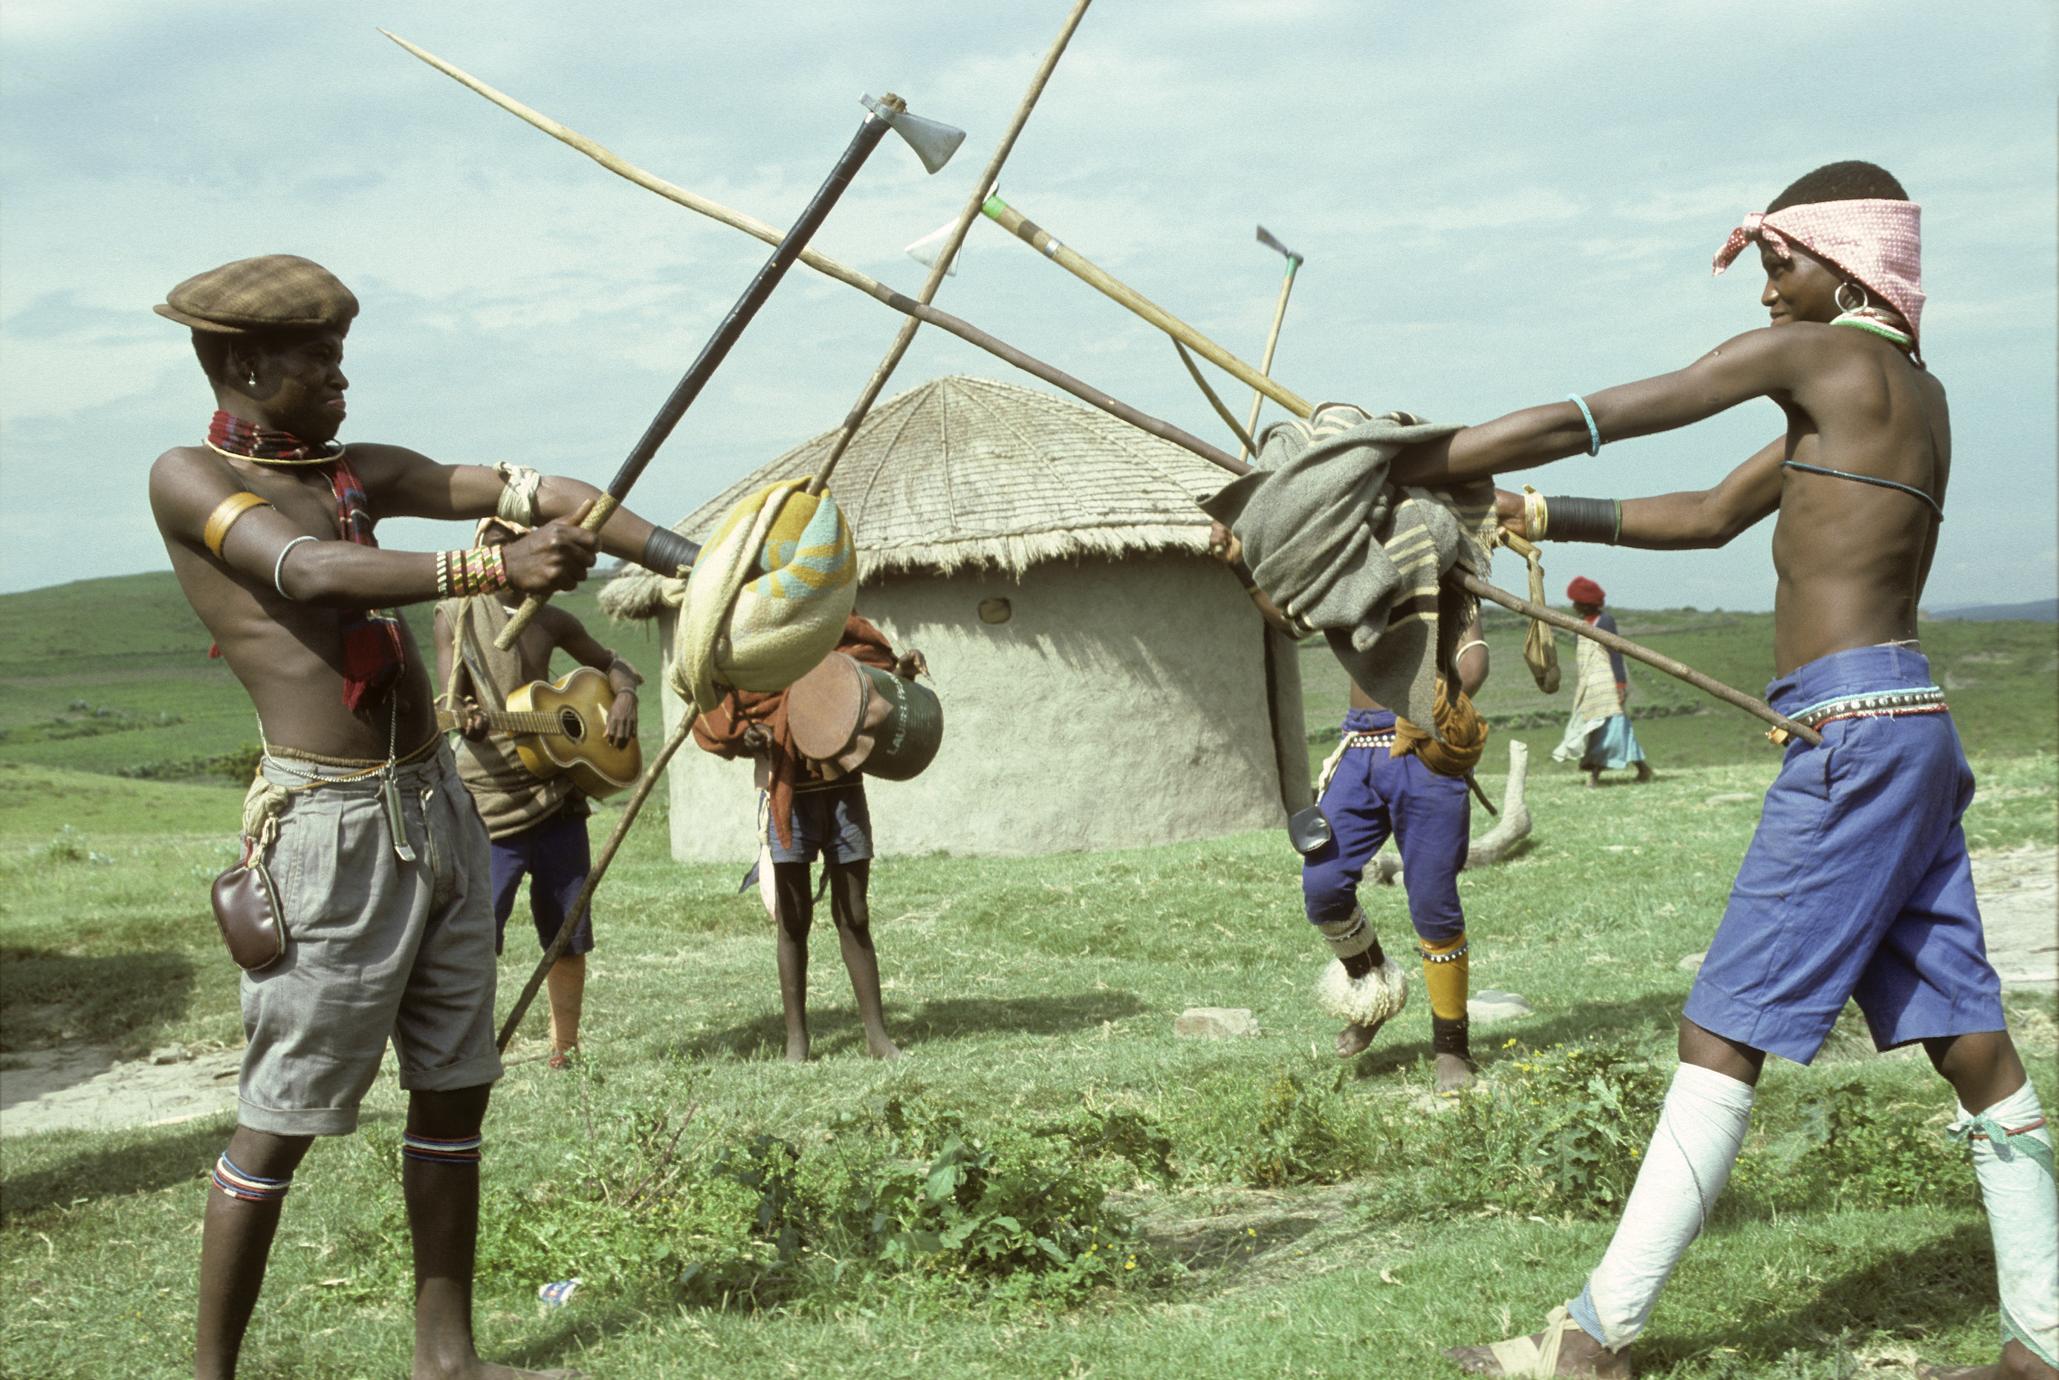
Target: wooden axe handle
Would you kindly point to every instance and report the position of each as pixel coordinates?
(603, 508)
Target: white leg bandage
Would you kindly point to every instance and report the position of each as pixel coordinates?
(2012, 1158)
(1701, 1128)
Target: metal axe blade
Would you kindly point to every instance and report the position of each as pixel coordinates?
(1265, 237)
(933, 141)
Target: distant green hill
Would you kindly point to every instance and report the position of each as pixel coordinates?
(2003, 678)
(113, 675)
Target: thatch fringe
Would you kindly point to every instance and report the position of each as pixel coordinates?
(964, 473)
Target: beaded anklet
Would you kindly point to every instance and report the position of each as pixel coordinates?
(430, 1150)
(248, 1188)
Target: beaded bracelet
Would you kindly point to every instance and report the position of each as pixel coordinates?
(1593, 431)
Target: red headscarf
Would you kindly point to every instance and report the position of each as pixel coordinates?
(1585, 591)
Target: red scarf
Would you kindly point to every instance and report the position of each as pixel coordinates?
(373, 650)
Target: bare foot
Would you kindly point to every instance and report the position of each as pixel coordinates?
(2017, 1363)
(1593, 779)
(1454, 1073)
(1579, 1354)
(797, 1049)
(1643, 772)
(1355, 1039)
(880, 1047)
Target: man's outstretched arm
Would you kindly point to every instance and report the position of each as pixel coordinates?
(406, 483)
(1692, 518)
(270, 551)
(1757, 364)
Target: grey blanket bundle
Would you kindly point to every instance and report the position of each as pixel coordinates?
(1340, 550)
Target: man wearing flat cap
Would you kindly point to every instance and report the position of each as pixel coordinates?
(375, 863)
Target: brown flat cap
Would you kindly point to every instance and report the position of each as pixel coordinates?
(273, 292)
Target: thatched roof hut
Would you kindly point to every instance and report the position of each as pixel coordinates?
(1104, 683)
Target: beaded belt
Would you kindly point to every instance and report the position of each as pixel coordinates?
(1368, 740)
(1928, 699)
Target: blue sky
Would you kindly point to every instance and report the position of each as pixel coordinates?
(1499, 204)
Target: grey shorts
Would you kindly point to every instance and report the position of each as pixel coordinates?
(376, 948)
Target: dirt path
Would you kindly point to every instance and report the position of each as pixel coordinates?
(83, 1087)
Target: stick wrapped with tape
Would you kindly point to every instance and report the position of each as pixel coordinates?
(769, 596)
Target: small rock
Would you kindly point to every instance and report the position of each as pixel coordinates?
(1215, 1022)
(1435, 1104)
(1487, 1006)
(1692, 963)
(168, 1054)
(1731, 798)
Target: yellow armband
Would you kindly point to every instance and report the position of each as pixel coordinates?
(224, 517)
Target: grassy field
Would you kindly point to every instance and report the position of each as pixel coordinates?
(1052, 1183)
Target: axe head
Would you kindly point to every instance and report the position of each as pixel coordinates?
(934, 143)
(1265, 237)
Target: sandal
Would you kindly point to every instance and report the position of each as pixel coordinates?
(1524, 1355)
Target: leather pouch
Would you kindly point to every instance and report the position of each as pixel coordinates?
(246, 910)
(1308, 829)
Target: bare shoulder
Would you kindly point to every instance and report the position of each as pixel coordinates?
(185, 481)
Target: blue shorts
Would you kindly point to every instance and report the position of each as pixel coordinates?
(1373, 794)
(833, 821)
(1856, 884)
(554, 855)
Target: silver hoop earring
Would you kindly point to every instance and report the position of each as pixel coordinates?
(1839, 297)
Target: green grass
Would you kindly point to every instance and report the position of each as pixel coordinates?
(1288, 1216)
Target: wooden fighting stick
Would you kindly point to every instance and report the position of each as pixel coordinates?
(1084, 391)
(1272, 339)
(942, 264)
(933, 143)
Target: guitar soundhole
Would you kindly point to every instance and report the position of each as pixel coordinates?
(571, 725)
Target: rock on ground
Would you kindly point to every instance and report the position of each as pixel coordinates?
(1487, 1006)
(1215, 1022)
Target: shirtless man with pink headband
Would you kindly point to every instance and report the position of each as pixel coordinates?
(1856, 885)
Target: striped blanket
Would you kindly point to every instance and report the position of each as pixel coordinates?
(1343, 552)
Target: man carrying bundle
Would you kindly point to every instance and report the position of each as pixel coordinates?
(1388, 778)
(810, 808)
(1857, 884)
(537, 827)
(357, 812)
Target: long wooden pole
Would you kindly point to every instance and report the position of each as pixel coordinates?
(1272, 340)
(856, 416)
(1051, 374)
(1041, 240)
(651, 776)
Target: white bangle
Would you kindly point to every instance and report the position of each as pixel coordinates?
(279, 566)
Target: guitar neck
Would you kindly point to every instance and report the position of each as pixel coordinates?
(497, 722)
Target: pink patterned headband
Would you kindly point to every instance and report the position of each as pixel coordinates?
(1877, 243)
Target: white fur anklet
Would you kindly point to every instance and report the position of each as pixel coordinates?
(1376, 997)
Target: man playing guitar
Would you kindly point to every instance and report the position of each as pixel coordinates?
(537, 826)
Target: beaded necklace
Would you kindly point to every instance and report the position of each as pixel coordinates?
(242, 440)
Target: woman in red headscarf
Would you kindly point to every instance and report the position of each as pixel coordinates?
(1599, 733)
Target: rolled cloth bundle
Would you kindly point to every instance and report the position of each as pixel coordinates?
(769, 595)
(1340, 550)
(1461, 735)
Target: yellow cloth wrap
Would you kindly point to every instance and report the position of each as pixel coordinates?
(1458, 723)
(1445, 975)
(769, 595)
(224, 517)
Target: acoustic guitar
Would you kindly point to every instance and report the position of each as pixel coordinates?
(560, 726)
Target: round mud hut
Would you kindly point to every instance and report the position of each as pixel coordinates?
(1104, 683)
